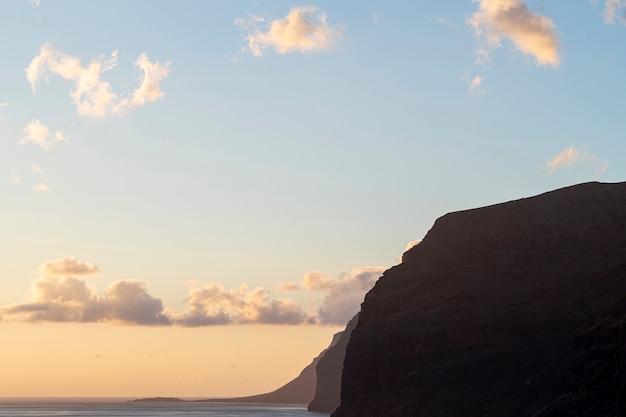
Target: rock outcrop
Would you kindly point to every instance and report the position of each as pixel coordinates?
(329, 370)
(507, 310)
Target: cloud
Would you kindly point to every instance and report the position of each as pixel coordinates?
(15, 178)
(304, 29)
(378, 18)
(148, 91)
(614, 11)
(475, 84)
(35, 3)
(93, 96)
(68, 299)
(574, 156)
(41, 187)
(4, 104)
(39, 134)
(37, 169)
(68, 266)
(342, 297)
(213, 305)
(532, 34)
(290, 286)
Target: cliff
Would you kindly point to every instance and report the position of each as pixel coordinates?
(507, 310)
(329, 370)
(299, 390)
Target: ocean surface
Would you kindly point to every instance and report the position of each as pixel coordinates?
(96, 408)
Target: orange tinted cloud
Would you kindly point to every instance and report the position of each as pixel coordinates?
(68, 299)
(68, 266)
(532, 34)
(304, 29)
(213, 304)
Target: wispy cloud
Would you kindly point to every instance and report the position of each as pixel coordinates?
(378, 18)
(475, 84)
(290, 286)
(15, 178)
(93, 96)
(39, 134)
(41, 187)
(574, 156)
(148, 91)
(532, 34)
(614, 11)
(304, 29)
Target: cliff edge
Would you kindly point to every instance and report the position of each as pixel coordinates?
(510, 310)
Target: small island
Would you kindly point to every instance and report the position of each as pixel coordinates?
(158, 400)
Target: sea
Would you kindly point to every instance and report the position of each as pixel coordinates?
(110, 408)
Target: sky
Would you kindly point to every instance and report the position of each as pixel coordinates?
(194, 196)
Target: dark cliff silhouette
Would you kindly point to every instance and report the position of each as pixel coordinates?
(511, 310)
(329, 370)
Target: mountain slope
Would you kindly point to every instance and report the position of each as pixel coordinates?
(480, 318)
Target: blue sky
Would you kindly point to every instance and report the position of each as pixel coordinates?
(249, 154)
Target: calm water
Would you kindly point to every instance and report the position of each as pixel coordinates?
(96, 408)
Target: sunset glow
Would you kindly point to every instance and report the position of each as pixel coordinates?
(197, 195)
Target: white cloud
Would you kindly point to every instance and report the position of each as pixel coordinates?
(37, 169)
(39, 134)
(68, 266)
(573, 156)
(35, 3)
(304, 29)
(93, 96)
(213, 305)
(342, 297)
(532, 34)
(4, 104)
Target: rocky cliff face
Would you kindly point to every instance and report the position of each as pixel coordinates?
(329, 370)
(501, 311)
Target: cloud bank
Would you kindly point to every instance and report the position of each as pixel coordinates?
(532, 34)
(304, 29)
(93, 96)
(68, 299)
(59, 296)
